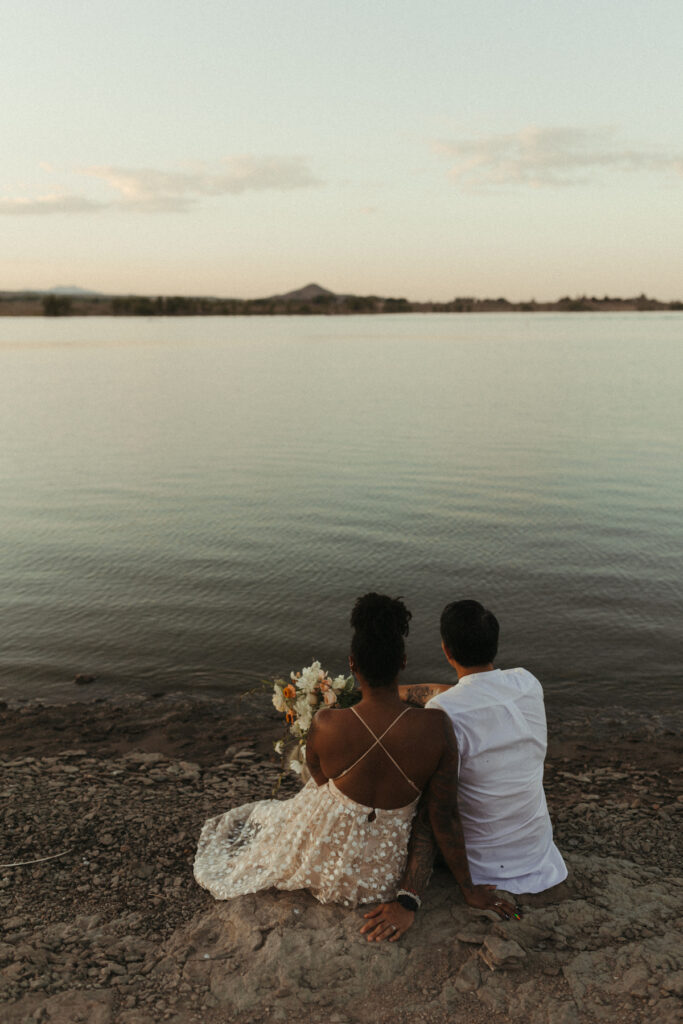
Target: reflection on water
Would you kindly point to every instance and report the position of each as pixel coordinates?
(191, 503)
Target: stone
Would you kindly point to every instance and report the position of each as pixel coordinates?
(501, 954)
(472, 935)
(673, 983)
(468, 978)
(144, 757)
(563, 1013)
(635, 980)
(78, 1007)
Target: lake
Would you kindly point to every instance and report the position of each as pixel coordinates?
(193, 503)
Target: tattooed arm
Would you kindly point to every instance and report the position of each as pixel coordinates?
(421, 851)
(420, 693)
(442, 802)
(391, 920)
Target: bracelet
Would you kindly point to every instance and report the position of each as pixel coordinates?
(409, 900)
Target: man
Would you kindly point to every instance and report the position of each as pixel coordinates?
(499, 722)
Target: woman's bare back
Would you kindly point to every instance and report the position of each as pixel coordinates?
(342, 739)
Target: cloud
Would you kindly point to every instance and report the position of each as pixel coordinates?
(149, 190)
(50, 204)
(548, 157)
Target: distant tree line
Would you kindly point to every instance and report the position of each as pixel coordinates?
(57, 305)
(328, 304)
(339, 305)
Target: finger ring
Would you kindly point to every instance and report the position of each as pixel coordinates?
(394, 927)
(498, 903)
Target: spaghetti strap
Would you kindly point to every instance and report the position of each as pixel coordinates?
(378, 743)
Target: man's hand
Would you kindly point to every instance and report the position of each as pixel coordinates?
(485, 897)
(387, 921)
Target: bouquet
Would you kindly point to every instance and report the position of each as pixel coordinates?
(300, 698)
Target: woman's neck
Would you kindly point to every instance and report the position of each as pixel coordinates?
(386, 695)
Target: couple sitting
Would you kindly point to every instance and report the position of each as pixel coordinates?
(391, 781)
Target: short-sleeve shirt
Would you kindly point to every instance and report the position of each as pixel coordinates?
(499, 722)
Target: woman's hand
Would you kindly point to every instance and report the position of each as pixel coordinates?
(485, 897)
(387, 921)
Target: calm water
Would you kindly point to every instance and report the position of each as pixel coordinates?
(189, 504)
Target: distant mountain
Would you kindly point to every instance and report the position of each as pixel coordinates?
(69, 289)
(306, 294)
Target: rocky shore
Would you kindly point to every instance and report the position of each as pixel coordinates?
(101, 921)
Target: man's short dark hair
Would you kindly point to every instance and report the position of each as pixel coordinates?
(470, 633)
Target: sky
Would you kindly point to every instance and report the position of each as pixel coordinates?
(420, 148)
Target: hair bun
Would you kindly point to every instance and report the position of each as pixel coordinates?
(380, 616)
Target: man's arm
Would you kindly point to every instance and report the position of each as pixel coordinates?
(391, 920)
(420, 693)
(421, 851)
(442, 802)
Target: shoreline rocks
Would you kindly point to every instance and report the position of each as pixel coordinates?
(112, 928)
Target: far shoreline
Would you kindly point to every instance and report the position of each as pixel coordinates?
(309, 301)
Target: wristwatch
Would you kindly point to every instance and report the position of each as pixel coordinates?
(409, 900)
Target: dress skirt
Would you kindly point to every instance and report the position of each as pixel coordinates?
(319, 840)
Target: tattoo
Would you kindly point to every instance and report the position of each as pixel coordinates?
(420, 693)
(421, 851)
(442, 797)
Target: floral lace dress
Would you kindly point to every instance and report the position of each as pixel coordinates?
(320, 840)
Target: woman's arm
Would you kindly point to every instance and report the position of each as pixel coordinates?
(312, 748)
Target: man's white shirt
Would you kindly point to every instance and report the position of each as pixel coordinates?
(499, 722)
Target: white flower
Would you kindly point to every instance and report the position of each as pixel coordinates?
(330, 698)
(279, 746)
(304, 721)
(339, 683)
(309, 677)
(278, 699)
(296, 767)
(302, 707)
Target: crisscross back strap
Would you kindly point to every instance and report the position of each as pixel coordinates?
(378, 743)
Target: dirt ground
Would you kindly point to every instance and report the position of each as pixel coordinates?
(107, 925)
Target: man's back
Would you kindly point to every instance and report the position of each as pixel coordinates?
(499, 722)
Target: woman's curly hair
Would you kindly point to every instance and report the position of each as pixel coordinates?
(380, 625)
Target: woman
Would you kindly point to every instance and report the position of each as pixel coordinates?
(345, 836)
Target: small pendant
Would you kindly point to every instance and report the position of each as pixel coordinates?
(372, 815)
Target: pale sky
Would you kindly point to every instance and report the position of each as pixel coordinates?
(418, 148)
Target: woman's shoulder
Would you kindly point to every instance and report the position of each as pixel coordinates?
(326, 717)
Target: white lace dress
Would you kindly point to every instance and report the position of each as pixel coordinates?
(319, 840)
